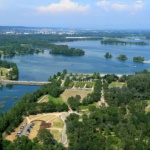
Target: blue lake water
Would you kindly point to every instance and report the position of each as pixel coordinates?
(10, 96)
(39, 67)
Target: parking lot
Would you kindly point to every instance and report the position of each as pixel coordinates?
(25, 129)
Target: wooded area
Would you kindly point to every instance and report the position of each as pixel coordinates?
(123, 125)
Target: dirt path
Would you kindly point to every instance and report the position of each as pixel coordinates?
(64, 135)
(102, 100)
(42, 98)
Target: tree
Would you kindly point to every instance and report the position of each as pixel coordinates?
(46, 137)
(1, 73)
(65, 71)
(92, 108)
(21, 143)
(1, 141)
(58, 73)
(67, 81)
(74, 102)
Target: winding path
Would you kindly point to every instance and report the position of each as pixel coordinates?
(102, 100)
(64, 135)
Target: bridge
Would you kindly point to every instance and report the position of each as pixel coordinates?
(5, 82)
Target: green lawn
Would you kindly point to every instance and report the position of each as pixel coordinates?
(58, 100)
(116, 84)
(58, 124)
(87, 107)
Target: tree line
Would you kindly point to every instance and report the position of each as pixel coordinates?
(118, 42)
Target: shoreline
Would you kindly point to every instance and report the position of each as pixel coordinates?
(103, 74)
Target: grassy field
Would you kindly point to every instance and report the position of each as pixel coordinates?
(87, 107)
(116, 84)
(57, 123)
(58, 100)
(56, 134)
(73, 92)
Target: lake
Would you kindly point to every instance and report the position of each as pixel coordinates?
(9, 96)
(39, 67)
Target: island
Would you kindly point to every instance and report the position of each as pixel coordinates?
(65, 50)
(115, 41)
(138, 59)
(122, 57)
(108, 55)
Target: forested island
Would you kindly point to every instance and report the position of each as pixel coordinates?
(8, 70)
(65, 50)
(138, 59)
(121, 124)
(108, 55)
(122, 57)
(113, 41)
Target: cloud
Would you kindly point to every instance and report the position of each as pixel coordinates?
(63, 6)
(120, 7)
(138, 5)
(104, 4)
(109, 5)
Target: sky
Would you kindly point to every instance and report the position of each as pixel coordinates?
(87, 14)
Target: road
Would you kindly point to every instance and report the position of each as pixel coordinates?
(5, 82)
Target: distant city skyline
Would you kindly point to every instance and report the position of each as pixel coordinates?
(88, 14)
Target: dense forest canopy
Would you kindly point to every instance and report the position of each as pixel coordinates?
(65, 50)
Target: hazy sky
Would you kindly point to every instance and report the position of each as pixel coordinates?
(98, 14)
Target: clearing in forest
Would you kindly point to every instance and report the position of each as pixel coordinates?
(50, 121)
(73, 92)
